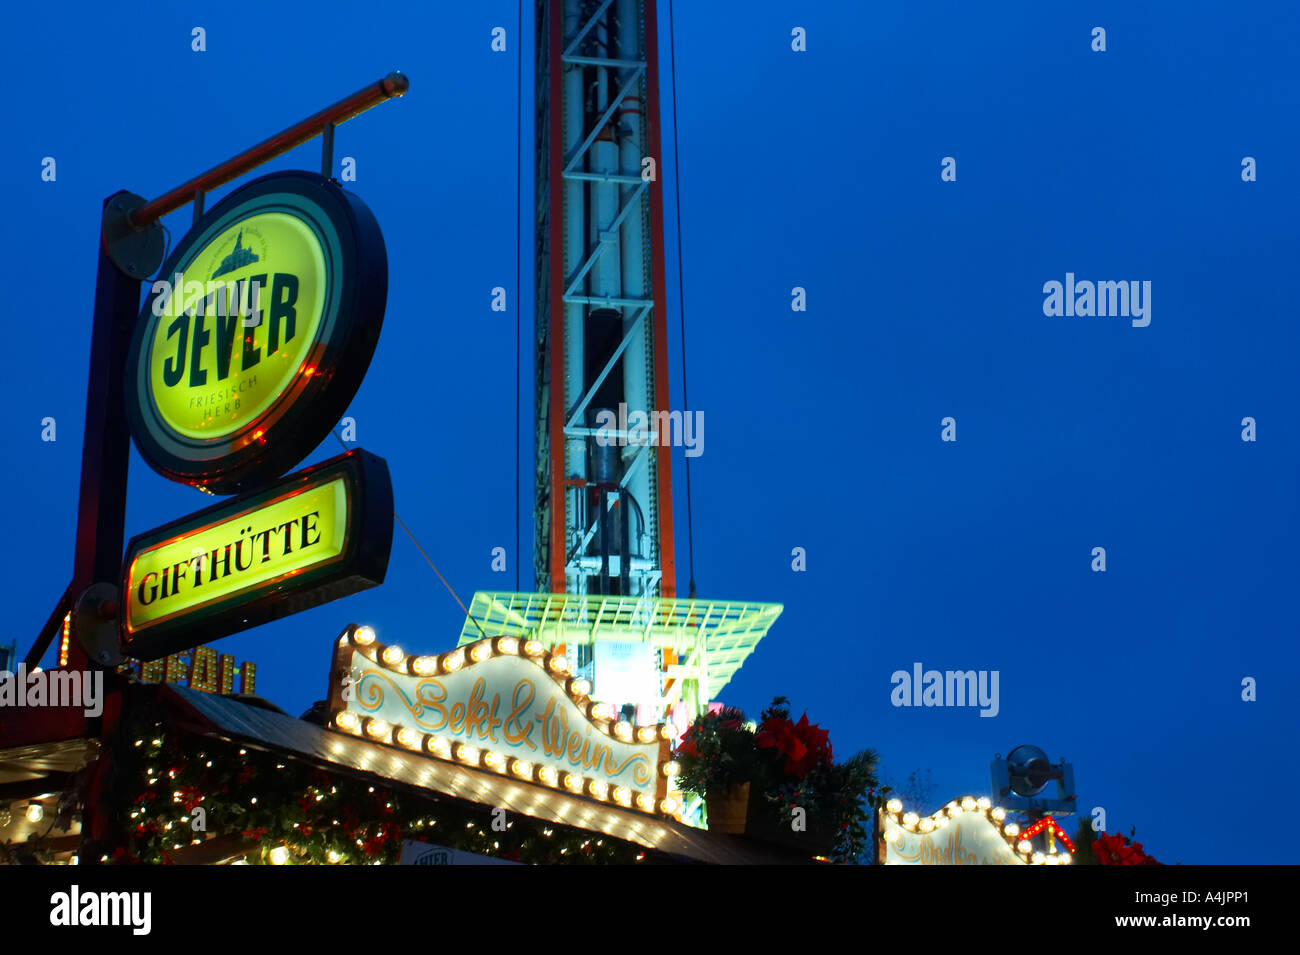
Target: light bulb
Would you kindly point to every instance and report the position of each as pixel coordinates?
(348, 722)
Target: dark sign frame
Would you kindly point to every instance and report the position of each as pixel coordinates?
(362, 564)
(302, 416)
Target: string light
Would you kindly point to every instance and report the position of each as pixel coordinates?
(892, 816)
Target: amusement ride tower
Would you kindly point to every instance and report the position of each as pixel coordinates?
(603, 538)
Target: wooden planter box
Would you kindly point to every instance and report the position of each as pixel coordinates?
(743, 812)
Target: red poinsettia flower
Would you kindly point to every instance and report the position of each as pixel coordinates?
(815, 738)
(779, 732)
(805, 745)
(1118, 850)
(687, 746)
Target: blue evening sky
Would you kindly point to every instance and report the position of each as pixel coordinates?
(822, 429)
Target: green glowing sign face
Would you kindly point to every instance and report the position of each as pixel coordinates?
(229, 346)
(319, 534)
(257, 333)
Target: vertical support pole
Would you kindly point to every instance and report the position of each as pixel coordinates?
(105, 449)
(198, 206)
(878, 836)
(327, 150)
(658, 327)
(559, 492)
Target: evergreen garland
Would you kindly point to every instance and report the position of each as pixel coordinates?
(161, 777)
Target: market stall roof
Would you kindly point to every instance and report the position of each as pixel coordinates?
(264, 728)
(20, 764)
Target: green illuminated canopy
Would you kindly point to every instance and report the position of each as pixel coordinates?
(712, 637)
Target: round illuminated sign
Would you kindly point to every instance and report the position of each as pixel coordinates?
(257, 334)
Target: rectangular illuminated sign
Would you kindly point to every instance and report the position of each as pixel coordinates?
(322, 533)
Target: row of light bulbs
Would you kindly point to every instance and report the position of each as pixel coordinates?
(467, 754)
(1010, 831)
(602, 715)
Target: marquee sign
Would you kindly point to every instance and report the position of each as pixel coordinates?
(506, 705)
(258, 333)
(322, 533)
(967, 831)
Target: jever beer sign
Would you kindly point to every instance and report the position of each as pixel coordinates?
(319, 534)
(257, 333)
(250, 346)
